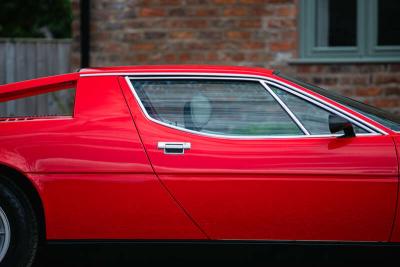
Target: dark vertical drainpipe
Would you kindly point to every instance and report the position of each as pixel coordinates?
(85, 33)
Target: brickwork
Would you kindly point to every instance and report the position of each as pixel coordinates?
(228, 32)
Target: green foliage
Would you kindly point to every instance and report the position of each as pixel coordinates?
(26, 18)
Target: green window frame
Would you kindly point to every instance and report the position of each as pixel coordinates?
(366, 49)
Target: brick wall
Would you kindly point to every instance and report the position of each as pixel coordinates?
(230, 32)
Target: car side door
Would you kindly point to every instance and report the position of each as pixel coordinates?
(245, 167)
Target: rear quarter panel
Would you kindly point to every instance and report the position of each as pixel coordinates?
(91, 171)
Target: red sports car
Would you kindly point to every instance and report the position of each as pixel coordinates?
(191, 153)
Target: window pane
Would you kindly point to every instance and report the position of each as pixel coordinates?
(336, 23)
(385, 118)
(313, 118)
(388, 22)
(215, 106)
(57, 103)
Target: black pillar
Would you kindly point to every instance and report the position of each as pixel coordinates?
(85, 33)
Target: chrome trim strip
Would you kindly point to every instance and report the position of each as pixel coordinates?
(200, 77)
(204, 75)
(183, 145)
(257, 78)
(231, 76)
(285, 107)
(228, 76)
(127, 79)
(172, 74)
(304, 130)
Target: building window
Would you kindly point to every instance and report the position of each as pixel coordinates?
(350, 30)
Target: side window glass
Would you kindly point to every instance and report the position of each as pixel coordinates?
(224, 107)
(55, 103)
(314, 118)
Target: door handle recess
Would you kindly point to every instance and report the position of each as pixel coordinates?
(173, 147)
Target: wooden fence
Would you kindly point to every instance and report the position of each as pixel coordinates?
(22, 59)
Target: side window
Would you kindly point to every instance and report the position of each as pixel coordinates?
(233, 108)
(314, 118)
(55, 103)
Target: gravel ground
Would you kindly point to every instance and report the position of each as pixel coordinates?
(121, 254)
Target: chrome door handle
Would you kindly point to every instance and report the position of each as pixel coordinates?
(173, 147)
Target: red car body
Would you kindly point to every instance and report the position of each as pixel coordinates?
(99, 174)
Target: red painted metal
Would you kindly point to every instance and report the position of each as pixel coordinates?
(95, 179)
(396, 224)
(91, 171)
(41, 85)
(279, 189)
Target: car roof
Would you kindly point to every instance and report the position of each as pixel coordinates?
(179, 69)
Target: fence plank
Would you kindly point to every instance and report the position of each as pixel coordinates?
(2, 63)
(63, 56)
(30, 60)
(20, 66)
(10, 62)
(41, 67)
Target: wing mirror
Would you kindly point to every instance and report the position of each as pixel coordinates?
(337, 124)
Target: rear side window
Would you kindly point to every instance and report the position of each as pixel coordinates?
(223, 107)
(54, 103)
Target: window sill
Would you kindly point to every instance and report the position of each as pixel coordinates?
(343, 60)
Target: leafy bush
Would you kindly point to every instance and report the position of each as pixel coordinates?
(35, 18)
